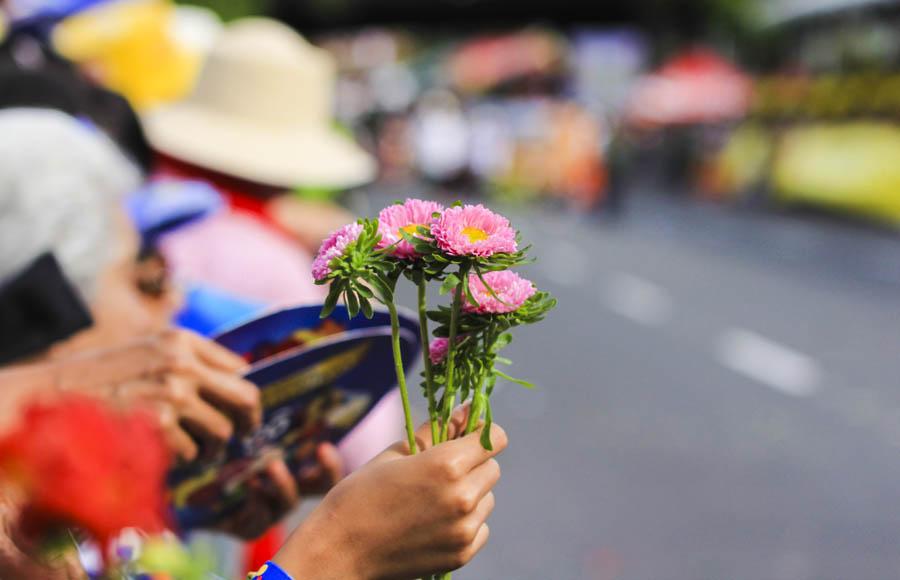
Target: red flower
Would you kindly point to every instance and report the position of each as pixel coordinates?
(80, 464)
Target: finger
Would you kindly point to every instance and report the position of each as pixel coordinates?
(485, 508)
(322, 476)
(332, 463)
(478, 543)
(400, 449)
(457, 424)
(214, 354)
(458, 420)
(484, 477)
(262, 505)
(469, 453)
(181, 411)
(178, 441)
(239, 397)
(206, 420)
(283, 489)
(181, 444)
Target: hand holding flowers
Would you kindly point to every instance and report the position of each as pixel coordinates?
(468, 250)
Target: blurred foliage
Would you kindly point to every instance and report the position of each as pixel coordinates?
(232, 9)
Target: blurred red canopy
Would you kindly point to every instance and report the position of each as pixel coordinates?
(697, 86)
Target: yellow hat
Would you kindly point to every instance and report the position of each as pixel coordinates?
(128, 45)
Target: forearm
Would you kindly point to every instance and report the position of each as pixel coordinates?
(25, 382)
(20, 383)
(312, 552)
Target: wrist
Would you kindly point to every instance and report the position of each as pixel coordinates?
(316, 551)
(270, 571)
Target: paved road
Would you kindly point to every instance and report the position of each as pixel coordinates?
(719, 400)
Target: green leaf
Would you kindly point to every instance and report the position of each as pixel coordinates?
(477, 405)
(383, 288)
(468, 293)
(502, 342)
(519, 382)
(352, 303)
(488, 287)
(419, 245)
(334, 293)
(488, 421)
(366, 307)
(450, 283)
(489, 384)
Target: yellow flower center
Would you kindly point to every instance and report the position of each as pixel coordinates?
(474, 234)
(411, 229)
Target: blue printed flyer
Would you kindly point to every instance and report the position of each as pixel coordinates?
(318, 379)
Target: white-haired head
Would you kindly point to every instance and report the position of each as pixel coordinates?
(59, 180)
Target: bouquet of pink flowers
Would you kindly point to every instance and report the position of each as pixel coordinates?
(469, 251)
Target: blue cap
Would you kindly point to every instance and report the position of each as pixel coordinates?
(166, 205)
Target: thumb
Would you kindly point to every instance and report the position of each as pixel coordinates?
(423, 436)
(455, 428)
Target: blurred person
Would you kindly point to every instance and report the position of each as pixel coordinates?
(620, 157)
(258, 124)
(60, 185)
(33, 75)
(440, 137)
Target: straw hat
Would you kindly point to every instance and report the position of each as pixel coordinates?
(261, 110)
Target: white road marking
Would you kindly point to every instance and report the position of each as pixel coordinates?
(638, 300)
(776, 366)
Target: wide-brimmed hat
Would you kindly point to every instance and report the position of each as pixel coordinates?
(261, 110)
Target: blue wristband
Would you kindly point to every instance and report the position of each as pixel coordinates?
(269, 571)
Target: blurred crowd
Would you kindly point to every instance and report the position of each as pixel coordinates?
(800, 110)
(163, 175)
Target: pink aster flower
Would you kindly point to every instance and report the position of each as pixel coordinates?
(473, 230)
(407, 217)
(511, 288)
(333, 247)
(437, 350)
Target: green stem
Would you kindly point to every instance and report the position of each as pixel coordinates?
(449, 391)
(401, 376)
(449, 403)
(474, 413)
(426, 359)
